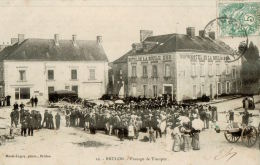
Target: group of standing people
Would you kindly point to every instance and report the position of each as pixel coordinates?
(152, 116)
(31, 120)
(34, 101)
(48, 120)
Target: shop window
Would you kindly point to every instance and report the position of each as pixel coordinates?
(22, 93)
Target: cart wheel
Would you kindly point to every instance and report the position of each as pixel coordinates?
(230, 138)
(249, 136)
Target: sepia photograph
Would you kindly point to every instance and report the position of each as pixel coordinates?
(129, 82)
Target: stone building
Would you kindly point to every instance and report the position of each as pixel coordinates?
(39, 66)
(182, 66)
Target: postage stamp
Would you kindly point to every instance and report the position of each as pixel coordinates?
(242, 17)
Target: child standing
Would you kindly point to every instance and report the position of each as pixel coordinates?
(151, 134)
(131, 132)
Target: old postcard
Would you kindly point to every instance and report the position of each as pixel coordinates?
(126, 82)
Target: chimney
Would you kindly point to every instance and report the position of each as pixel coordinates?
(99, 39)
(14, 40)
(56, 39)
(20, 38)
(134, 48)
(145, 34)
(202, 33)
(190, 31)
(74, 39)
(212, 35)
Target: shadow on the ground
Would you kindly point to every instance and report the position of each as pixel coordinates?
(91, 144)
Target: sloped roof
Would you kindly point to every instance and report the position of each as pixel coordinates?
(123, 58)
(45, 49)
(180, 42)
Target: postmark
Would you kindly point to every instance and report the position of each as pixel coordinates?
(246, 16)
(214, 26)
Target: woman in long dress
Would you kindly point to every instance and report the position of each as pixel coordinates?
(177, 139)
(163, 122)
(195, 141)
(131, 132)
(168, 137)
(185, 135)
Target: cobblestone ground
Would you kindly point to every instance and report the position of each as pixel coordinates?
(74, 146)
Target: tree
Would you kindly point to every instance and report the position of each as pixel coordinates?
(250, 72)
(252, 53)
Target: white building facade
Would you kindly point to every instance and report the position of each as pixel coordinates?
(33, 75)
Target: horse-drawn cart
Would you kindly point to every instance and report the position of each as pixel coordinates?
(246, 132)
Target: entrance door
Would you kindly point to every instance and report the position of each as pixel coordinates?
(211, 90)
(167, 90)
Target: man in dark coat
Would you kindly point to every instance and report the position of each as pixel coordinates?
(24, 124)
(32, 101)
(35, 101)
(30, 121)
(16, 117)
(16, 106)
(57, 120)
(21, 115)
(8, 100)
(12, 115)
(46, 119)
(51, 123)
(22, 105)
(39, 119)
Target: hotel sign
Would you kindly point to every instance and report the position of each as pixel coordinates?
(150, 58)
(195, 57)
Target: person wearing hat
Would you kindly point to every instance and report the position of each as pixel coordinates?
(185, 136)
(131, 132)
(16, 106)
(51, 123)
(31, 122)
(45, 119)
(57, 120)
(231, 116)
(38, 119)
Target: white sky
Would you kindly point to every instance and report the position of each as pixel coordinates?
(118, 21)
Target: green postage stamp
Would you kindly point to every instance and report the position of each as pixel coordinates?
(239, 18)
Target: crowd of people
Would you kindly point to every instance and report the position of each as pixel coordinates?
(152, 116)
